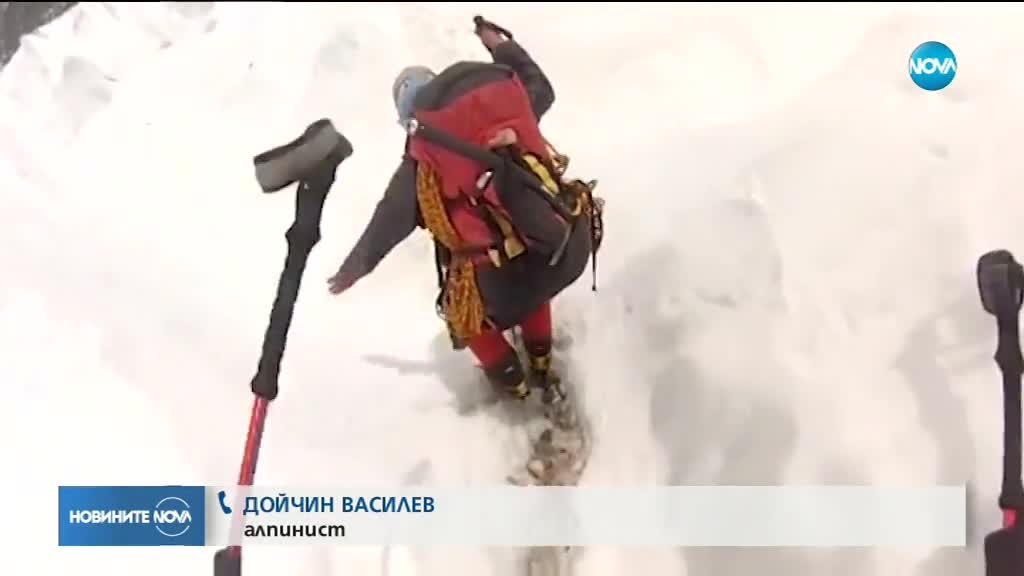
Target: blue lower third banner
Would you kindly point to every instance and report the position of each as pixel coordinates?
(509, 516)
(132, 516)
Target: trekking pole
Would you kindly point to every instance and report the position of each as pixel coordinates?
(312, 160)
(1001, 286)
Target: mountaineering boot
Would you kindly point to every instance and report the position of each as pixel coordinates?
(542, 376)
(507, 377)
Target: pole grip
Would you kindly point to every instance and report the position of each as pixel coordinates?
(302, 236)
(312, 160)
(1001, 287)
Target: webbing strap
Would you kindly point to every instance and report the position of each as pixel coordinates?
(487, 158)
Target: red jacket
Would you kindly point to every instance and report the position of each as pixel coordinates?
(510, 292)
(476, 117)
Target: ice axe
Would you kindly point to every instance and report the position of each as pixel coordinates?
(311, 160)
(1001, 285)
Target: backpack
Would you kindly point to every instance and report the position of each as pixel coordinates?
(483, 204)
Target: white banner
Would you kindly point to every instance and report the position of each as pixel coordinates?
(797, 516)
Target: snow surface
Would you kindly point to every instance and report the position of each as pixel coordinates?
(786, 291)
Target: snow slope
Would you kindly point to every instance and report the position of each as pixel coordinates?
(786, 291)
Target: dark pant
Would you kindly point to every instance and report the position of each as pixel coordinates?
(518, 288)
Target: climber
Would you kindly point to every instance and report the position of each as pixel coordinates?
(509, 233)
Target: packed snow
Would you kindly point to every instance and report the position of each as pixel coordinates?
(786, 292)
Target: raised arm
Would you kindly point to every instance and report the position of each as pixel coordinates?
(508, 52)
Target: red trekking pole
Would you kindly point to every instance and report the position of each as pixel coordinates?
(1001, 285)
(311, 160)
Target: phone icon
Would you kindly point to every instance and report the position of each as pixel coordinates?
(221, 496)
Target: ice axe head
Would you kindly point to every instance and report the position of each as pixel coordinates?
(1000, 283)
(319, 145)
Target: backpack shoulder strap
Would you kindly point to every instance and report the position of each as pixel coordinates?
(492, 160)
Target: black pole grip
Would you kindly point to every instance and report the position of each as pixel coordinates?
(1008, 355)
(480, 24)
(1012, 493)
(302, 236)
(1001, 286)
(314, 184)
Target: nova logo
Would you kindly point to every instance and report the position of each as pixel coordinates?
(172, 517)
(932, 66)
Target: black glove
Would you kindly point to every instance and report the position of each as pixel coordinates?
(490, 33)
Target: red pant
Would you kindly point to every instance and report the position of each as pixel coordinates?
(491, 348)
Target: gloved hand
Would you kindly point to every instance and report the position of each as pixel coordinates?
(490, 34)
(340, 282)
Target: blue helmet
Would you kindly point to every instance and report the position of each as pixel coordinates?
(408, 82)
